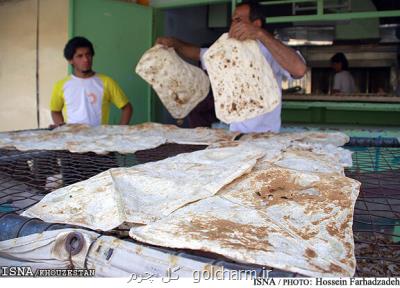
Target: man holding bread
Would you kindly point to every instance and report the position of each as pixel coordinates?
(248, 23)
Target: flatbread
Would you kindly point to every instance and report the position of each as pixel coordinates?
(179, 85)
(144, 193)
(306, 157)
(288, 220)
(272, 149)
(111, 138)
(189, 136)
(306, 161)
(119, 138)
(97, 207)
(337, 154)
(242, 81)
(313, 137)
(334, 138)
(315, 208)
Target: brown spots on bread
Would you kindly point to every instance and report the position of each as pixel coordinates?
(310, 253)
(228, 233)
(178, 100)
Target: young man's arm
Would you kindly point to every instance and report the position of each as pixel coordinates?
(58, 118)
(56, 105)
(185, 49)
(284, 55)
(126, 114)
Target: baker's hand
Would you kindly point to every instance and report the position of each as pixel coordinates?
(168, 42)
(54, 126)
(244, 31)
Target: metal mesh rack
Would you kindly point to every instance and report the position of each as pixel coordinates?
(25, 177)
(377, 212)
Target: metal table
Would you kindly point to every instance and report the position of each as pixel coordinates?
(25, 177)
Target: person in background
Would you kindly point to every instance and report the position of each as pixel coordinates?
(203, 115)
(248, 23)
(343, 81)
(85, 96)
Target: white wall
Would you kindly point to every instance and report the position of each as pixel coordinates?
(20, 59)
(53, 34)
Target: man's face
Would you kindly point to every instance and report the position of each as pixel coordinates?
(82, 60)
(241, 14)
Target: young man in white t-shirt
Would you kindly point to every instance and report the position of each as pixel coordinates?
(85, 96)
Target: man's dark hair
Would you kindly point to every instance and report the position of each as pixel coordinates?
(256, 11)
(75, 43)
(340, 58)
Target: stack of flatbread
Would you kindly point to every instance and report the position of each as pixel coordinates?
(242, 81)
(180, 85)
(308, 151)
(277, 201)
(111, 138)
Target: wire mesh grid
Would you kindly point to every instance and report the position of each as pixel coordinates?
(25, 177)
(377, 212)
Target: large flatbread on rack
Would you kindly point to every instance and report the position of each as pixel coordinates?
(242, 81)
(279, 218)
(180, 85)
(144, 193)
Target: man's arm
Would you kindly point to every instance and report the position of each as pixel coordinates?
(185, 49)
(126, 114)
(58, 118)
(284, 55)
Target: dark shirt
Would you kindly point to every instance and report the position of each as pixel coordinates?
(203, 115)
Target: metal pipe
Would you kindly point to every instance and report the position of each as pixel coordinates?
(183, 3)
(325, 7)
(282, 2)
(14, 226)
(320, 7)
(334, 16)
(74, 243)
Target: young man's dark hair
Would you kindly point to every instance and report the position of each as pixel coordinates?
(75, 43)
(340, 58)
(256, 11)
